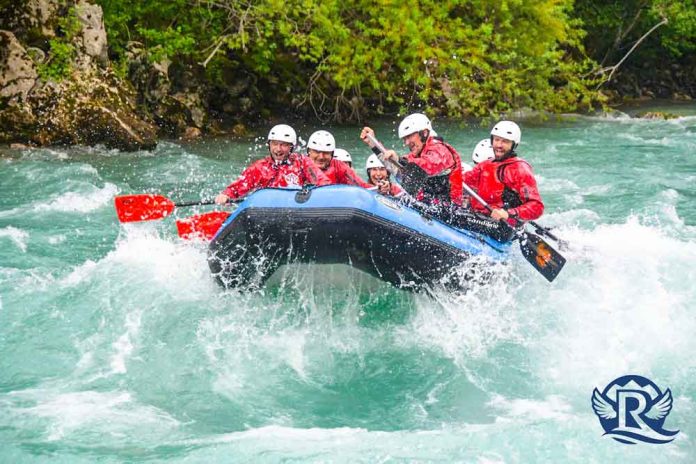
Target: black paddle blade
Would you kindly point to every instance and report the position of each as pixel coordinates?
(545, 259)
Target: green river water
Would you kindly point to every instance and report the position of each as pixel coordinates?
(116, 345)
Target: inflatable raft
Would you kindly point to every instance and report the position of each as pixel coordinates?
(340, 224)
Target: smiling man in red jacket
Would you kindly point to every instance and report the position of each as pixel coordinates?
(506, 182)
(435, 164)
(282, 168)
(320, 149)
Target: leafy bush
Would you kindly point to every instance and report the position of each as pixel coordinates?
(61, 48)
(351, 57)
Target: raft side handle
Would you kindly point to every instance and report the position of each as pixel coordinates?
(303, 195)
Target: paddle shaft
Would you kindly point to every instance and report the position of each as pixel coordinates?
(537, 252)
(392, 166)
(541, 230)
(195, 203)
(473, 193)
(544, 231)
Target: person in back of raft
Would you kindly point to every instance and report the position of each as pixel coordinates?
(432, 170)
(482, 151)
(320, 149)
(342, 155)
(282, 168)
(378, 177)
(505, 182)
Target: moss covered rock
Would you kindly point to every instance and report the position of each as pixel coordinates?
(657, 115)
(83, 102)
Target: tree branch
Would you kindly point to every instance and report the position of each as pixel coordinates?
(215, 50)
(616, 66)
(621, 34)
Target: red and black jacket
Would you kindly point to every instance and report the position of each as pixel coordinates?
(508, 184)
(440, 176)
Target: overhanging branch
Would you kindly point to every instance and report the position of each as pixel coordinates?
(616, 66)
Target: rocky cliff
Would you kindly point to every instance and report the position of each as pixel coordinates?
(56, 83)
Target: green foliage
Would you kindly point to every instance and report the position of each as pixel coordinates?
(59, 63)
(460, 57)
(62, 50)
(614, 26)
(467, 58)
(679, 36)
(167, 28)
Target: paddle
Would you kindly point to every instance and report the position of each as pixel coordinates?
(394, 167)
(148, 207)
(541, 230)
(535, 250)
(203, 226)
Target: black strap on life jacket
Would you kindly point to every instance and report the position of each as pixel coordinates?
(511, 199)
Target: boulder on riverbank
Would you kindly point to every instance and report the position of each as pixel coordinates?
(56, 85)
(657, 115)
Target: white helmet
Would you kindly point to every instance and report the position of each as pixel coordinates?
(373, 162)
(508, 130)
(342, 155)
(413, 123)
(483, 151)
(283, 133)
(322, 140)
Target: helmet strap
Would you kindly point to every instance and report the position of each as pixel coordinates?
(423, 136)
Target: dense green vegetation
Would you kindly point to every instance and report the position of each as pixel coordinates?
(61, 48)
(343, 58)
(614, 26)
(648, 35)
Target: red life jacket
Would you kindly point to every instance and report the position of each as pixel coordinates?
(507, 184)
(295, 171)
(339, 172)
(443, 165)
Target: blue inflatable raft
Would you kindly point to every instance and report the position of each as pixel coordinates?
(340, 224)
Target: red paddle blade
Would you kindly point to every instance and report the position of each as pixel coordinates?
(142, 207)
(201, 225)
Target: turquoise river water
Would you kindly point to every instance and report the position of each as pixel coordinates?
(117, 345)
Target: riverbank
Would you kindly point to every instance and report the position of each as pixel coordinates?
(67, 80)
